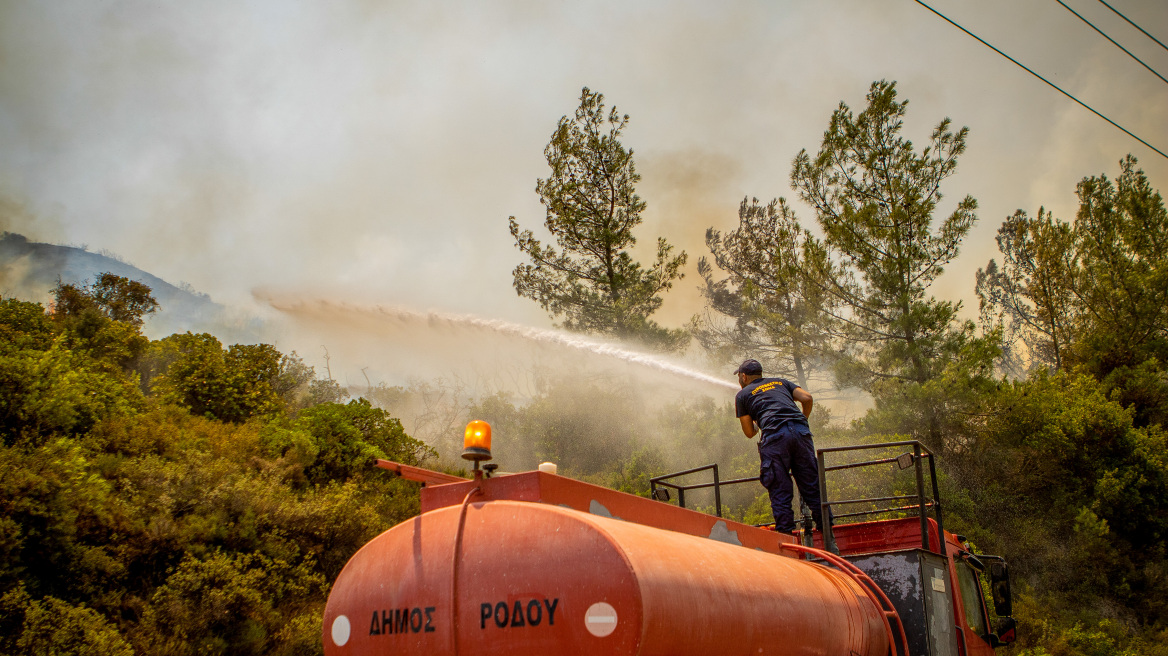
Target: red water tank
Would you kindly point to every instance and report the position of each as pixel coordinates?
(509, 577)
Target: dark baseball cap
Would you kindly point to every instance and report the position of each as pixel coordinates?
(750, 368)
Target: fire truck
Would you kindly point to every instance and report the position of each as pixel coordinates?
(537, 563)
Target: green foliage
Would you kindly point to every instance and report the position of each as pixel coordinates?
(774, 293)
(632, 475)
(119, 299)
(161, 520)
(1122, 231)
(874, 198)
(51, 627)
(324, 391)
(225, 604)
(230, 385)
(104, 319)
(1094, 292)
(298, 387)
(1029, 294)
(592, 208)
(1070, 471)
(561, 425)
(170, 523)
(331, 441)
(59, 391)
(23, 326)
(1073, 492)
(759, 511)
(1047, 627)
(950, 404)
(48, 388)
(65, 517)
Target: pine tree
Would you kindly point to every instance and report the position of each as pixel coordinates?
(592, 282)
(1030, 296)
(777, 310)
(874, 198)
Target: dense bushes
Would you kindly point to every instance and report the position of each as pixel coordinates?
(181, 497)
(175, 497)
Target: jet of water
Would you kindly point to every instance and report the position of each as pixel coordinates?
(543, 335)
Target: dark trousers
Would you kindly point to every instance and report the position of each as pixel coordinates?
(790, 452)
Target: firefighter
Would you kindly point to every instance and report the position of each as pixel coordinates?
(785, 447)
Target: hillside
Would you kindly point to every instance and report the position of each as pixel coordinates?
(30, 270)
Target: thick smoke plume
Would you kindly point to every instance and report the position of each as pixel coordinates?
(376, 149)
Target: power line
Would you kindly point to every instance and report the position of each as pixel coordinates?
(1134, 25)
(1051, 84)
(1111, 40)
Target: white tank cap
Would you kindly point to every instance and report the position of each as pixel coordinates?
(547, 467)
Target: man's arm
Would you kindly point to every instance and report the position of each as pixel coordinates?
(804, 398)
(747, 425)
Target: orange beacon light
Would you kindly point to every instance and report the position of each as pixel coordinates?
(476, 445)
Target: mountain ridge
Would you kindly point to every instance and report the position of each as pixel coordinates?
(30, 270)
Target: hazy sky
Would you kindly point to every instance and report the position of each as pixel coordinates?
(372, 151)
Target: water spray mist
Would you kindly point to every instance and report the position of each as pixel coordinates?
(542, 335)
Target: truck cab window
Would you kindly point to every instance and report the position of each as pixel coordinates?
(972, 600)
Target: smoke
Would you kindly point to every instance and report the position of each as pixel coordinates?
(374, 150)
(691, 191)
(14, 217)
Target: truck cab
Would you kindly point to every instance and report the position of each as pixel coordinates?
(937, 591)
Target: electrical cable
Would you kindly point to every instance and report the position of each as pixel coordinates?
(1113, 41)
(1134, 25)
(1051, 84)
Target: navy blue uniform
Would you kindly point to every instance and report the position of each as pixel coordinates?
(784, 447)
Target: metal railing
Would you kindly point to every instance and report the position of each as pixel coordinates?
(903, 461)
(659, 486)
